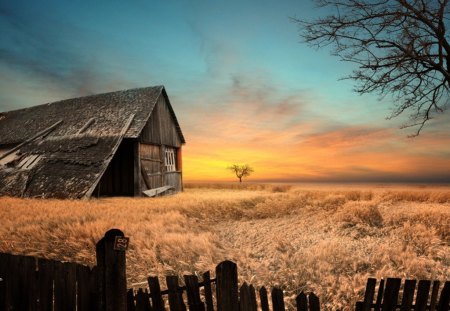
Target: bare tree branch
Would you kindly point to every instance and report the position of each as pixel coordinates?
(402, 49)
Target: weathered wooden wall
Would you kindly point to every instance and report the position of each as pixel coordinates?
(159, 133)
(161, 128)
(152, 165)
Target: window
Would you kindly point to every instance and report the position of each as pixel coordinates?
(169, 160)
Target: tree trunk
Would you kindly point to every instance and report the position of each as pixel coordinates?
(240, 179)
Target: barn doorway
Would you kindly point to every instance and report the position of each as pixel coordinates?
(118, 178)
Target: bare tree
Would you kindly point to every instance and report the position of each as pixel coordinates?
(241, 171)
(401, 46)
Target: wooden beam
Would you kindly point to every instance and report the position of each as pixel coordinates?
(137, 168)
(43, 132)
(145, 176)
(84, 128)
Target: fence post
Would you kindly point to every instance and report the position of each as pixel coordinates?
(227, 286)
(112, 281)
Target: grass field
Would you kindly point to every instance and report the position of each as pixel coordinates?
(322, 238)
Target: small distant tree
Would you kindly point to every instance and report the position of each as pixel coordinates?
(241, 171)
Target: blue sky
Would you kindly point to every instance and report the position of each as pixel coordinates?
(236, 73)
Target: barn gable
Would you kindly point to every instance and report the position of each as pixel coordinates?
(64, 149)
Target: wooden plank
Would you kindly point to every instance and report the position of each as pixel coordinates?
(263, 299)
(157, 191)
(14, 283)
(244, 298)
(136, 169)
(369, 294)
(253, 303)
(390, 296)
(208, 291)
(193, 293)
(227, 286)
(379, 296)
(144, 175)
(45, 281)
(4, 260)
(423, 290)
(408, 295)
(30, 283)
(65, 286)
(94, 294)
(444, 300)
(86, 126)
(83, 293)
(150, 159)
(142, 301)
(41, 133)
(277, 299)
(155, 294)
(175, 297)
(59, 286)
(130, 300)
(434, 295)
(302, 303)
(70, 285)
(314, 303)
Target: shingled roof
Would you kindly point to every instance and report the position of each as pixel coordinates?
(109, 110)
(69, 163)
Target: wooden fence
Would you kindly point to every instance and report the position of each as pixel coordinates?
(388, 296)
(28, 283)
(198, 296)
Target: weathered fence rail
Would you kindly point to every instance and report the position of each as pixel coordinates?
(198, 296)
(38, 284)
(28, 283)
(388, 295)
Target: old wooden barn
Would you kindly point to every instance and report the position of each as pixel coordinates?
(125, 143)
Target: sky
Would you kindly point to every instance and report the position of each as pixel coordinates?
(244, 87)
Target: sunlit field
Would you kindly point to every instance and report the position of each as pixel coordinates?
(323, 238)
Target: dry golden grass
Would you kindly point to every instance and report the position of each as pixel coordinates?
(326, 239)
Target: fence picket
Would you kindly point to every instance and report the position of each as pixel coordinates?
(227, 287)
(244, 298)
(130, 300)
(4, 260)
(369, 294)
(434, 295)
(27, 280)
(193, 293)
(208, 291)
(176, 302)
(423, 290)
(302, 303)
(379, 296)
(277, 300)
(155, 294)
(253, 303)
(391, 294)
(45, 281)
(408, 295)
(314, 304)
(263, 298)
(444, 300)
(142, 301)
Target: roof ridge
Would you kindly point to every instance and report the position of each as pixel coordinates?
(161, 87)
